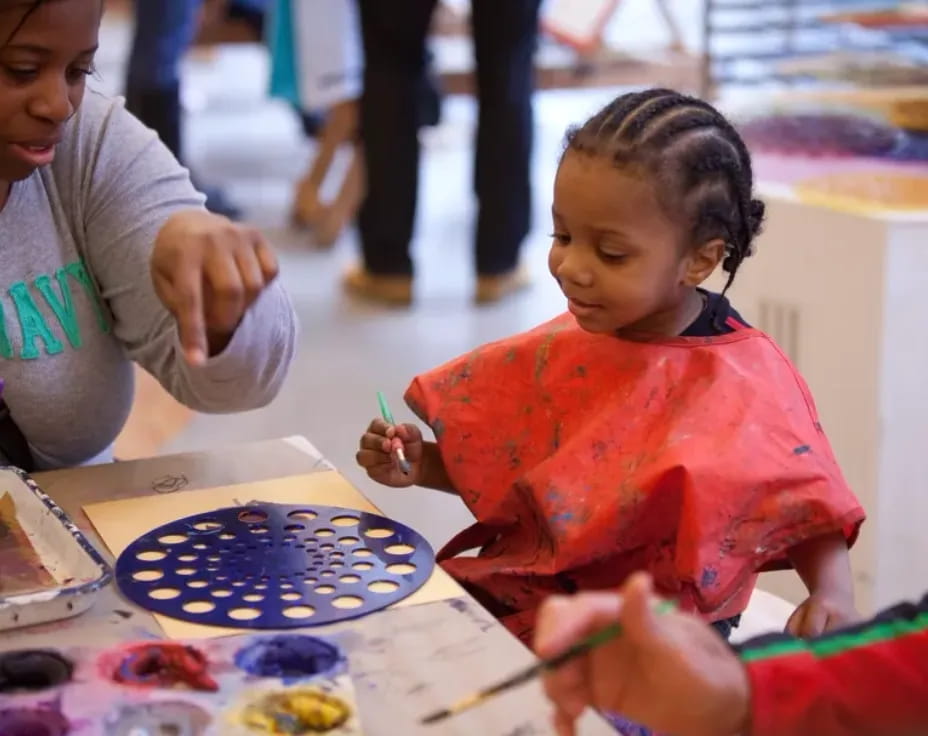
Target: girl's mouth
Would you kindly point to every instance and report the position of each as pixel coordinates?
(580, 308)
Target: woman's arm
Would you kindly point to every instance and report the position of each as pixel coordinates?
(132, 187)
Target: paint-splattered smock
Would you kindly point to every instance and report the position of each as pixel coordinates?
(587, 457)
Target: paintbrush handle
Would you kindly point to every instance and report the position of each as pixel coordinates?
(385, 408)
(582, 647)
(596, 639)
(539, 668)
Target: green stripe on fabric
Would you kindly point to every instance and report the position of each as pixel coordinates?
(840, 643)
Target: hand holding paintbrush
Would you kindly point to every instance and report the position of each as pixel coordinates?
(391, 453)
(632, 653)
(672, 673)
(397, 448)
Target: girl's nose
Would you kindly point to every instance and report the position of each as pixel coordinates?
(574, 268)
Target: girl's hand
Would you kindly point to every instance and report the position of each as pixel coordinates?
(208, 271)
(377, 453)
(670, 672)
(820, 613)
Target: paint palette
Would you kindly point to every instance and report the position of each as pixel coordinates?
(236, 686)
(274, 566)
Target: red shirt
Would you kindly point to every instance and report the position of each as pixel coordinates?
(871, 680)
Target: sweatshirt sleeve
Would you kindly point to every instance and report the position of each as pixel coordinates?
(870, 680)
(131, 185)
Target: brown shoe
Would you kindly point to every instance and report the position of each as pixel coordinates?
(392, 290)
(494, 288)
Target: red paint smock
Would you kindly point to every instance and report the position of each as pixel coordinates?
(587, 457)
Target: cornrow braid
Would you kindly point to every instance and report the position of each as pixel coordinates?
(702, 165)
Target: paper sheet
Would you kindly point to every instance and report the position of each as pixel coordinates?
(119, 523)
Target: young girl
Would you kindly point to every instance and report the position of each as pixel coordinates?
(107, 257)
(650, 428)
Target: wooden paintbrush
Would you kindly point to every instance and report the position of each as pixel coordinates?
(530, 673)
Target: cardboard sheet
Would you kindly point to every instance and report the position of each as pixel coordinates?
(121, 522)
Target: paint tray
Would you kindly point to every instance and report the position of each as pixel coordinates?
(244, 685)
(48, 569)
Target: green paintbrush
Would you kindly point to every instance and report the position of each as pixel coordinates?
(530, 673)
(397, 443)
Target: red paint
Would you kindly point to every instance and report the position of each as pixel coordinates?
(159, 664)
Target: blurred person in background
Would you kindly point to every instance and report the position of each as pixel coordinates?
(164, 31)
(317, 67)
(394, 39)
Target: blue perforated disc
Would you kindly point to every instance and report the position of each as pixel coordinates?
(272, 566)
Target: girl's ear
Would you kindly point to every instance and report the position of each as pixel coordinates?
(702, 261)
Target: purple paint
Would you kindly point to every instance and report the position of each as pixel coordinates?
(32, 722)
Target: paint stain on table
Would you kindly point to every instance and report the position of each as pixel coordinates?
(23, 571)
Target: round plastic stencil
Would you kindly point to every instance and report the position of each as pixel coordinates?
(272, 566)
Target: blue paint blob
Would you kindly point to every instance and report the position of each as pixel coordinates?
(802, 450)
(288, 656)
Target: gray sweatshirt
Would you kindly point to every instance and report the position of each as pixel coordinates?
(77, 305)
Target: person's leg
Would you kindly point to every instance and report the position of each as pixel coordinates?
(252, 12)
(394, 35)
(164, 29)
(505, 36)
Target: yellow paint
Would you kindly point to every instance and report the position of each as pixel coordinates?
(866, 191)
(307, 710)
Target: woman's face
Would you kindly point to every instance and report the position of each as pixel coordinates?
(43, 69)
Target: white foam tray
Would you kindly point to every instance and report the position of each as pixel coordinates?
(78, 569)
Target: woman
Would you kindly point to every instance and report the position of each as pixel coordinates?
(108, 257)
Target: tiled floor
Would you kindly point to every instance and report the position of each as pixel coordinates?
(349, 350)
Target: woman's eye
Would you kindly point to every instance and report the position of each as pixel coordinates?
(561, 238)
(21, 73)
(78, 73)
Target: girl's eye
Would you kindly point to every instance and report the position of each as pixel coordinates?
(561, 238)
(612, 257)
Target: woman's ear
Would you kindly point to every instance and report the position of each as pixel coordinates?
(702, 261)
